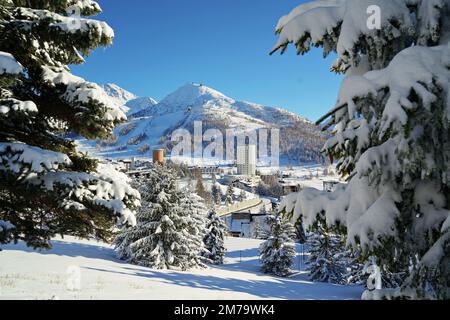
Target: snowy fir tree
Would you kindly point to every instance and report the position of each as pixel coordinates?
(201, 190)
(257, 230)
(229, 196)
(390, 130)
(214, 239)
(277, 253)
(331, 261)
(47, 187)
(195, 220)
(216, 193)
(170, 226)
(326, 261)
(242, 195)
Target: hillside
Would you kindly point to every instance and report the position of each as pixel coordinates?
(123, 97)
(153, 124)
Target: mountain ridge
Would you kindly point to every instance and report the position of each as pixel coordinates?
(152, 125)
(129, 100)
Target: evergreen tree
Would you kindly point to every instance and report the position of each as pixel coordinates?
(328, 260)
(242, 195)
(278, 251)
(229, 196)
(214, 239)
(47, 187)
(390, 133)
(257, 230)
(195, 220)
(201, 190)
(170, 227)
(331, 261)
(216, 193)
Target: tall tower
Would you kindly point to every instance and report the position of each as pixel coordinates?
(158, 156)
(246, 160)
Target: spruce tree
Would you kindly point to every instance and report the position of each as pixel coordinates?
(229, 196)
(170, 226)
(214, 239)
(216, 194)
(201, 190)
(257, 230)
(390, 133)
(194, 228)
(277, 253)
(47, 187)
(327, 261)
(242, 195)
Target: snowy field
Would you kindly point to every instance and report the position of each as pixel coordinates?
(28, 274)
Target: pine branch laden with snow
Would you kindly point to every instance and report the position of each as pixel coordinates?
(342, 26)
(277, 253)
(214, 238)
(47, 186)
(170, 226)
(86, 7)
(33, 174)
(390, 134)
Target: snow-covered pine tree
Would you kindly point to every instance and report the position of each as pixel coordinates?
(169, 230)
(229, 196)
(195, 219)
(277, 253)
(390, 133)
(242, 196)
(326, 262)
(47, 187)
(331, 261)
(257, 229)
(214, 239)
(216, 193)
(201, 190)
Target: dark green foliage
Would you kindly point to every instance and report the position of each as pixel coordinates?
(40, 104)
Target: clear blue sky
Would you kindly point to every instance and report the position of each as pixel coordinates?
(161, 45)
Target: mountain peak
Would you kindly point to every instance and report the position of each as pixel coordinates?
(122, 95)
(190, 93)
(130, 102)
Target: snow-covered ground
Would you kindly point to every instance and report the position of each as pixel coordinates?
(28, 274)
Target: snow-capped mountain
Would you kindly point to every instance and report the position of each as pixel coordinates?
(119, 94)
(125, 98)
(153, 124)
(199, 102)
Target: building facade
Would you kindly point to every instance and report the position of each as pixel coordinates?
(246, 160)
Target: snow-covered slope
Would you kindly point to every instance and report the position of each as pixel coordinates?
(123, 97)
(82, 269)
(154, 124)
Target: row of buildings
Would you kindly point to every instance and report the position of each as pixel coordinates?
(245, 176)
(245, 162)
